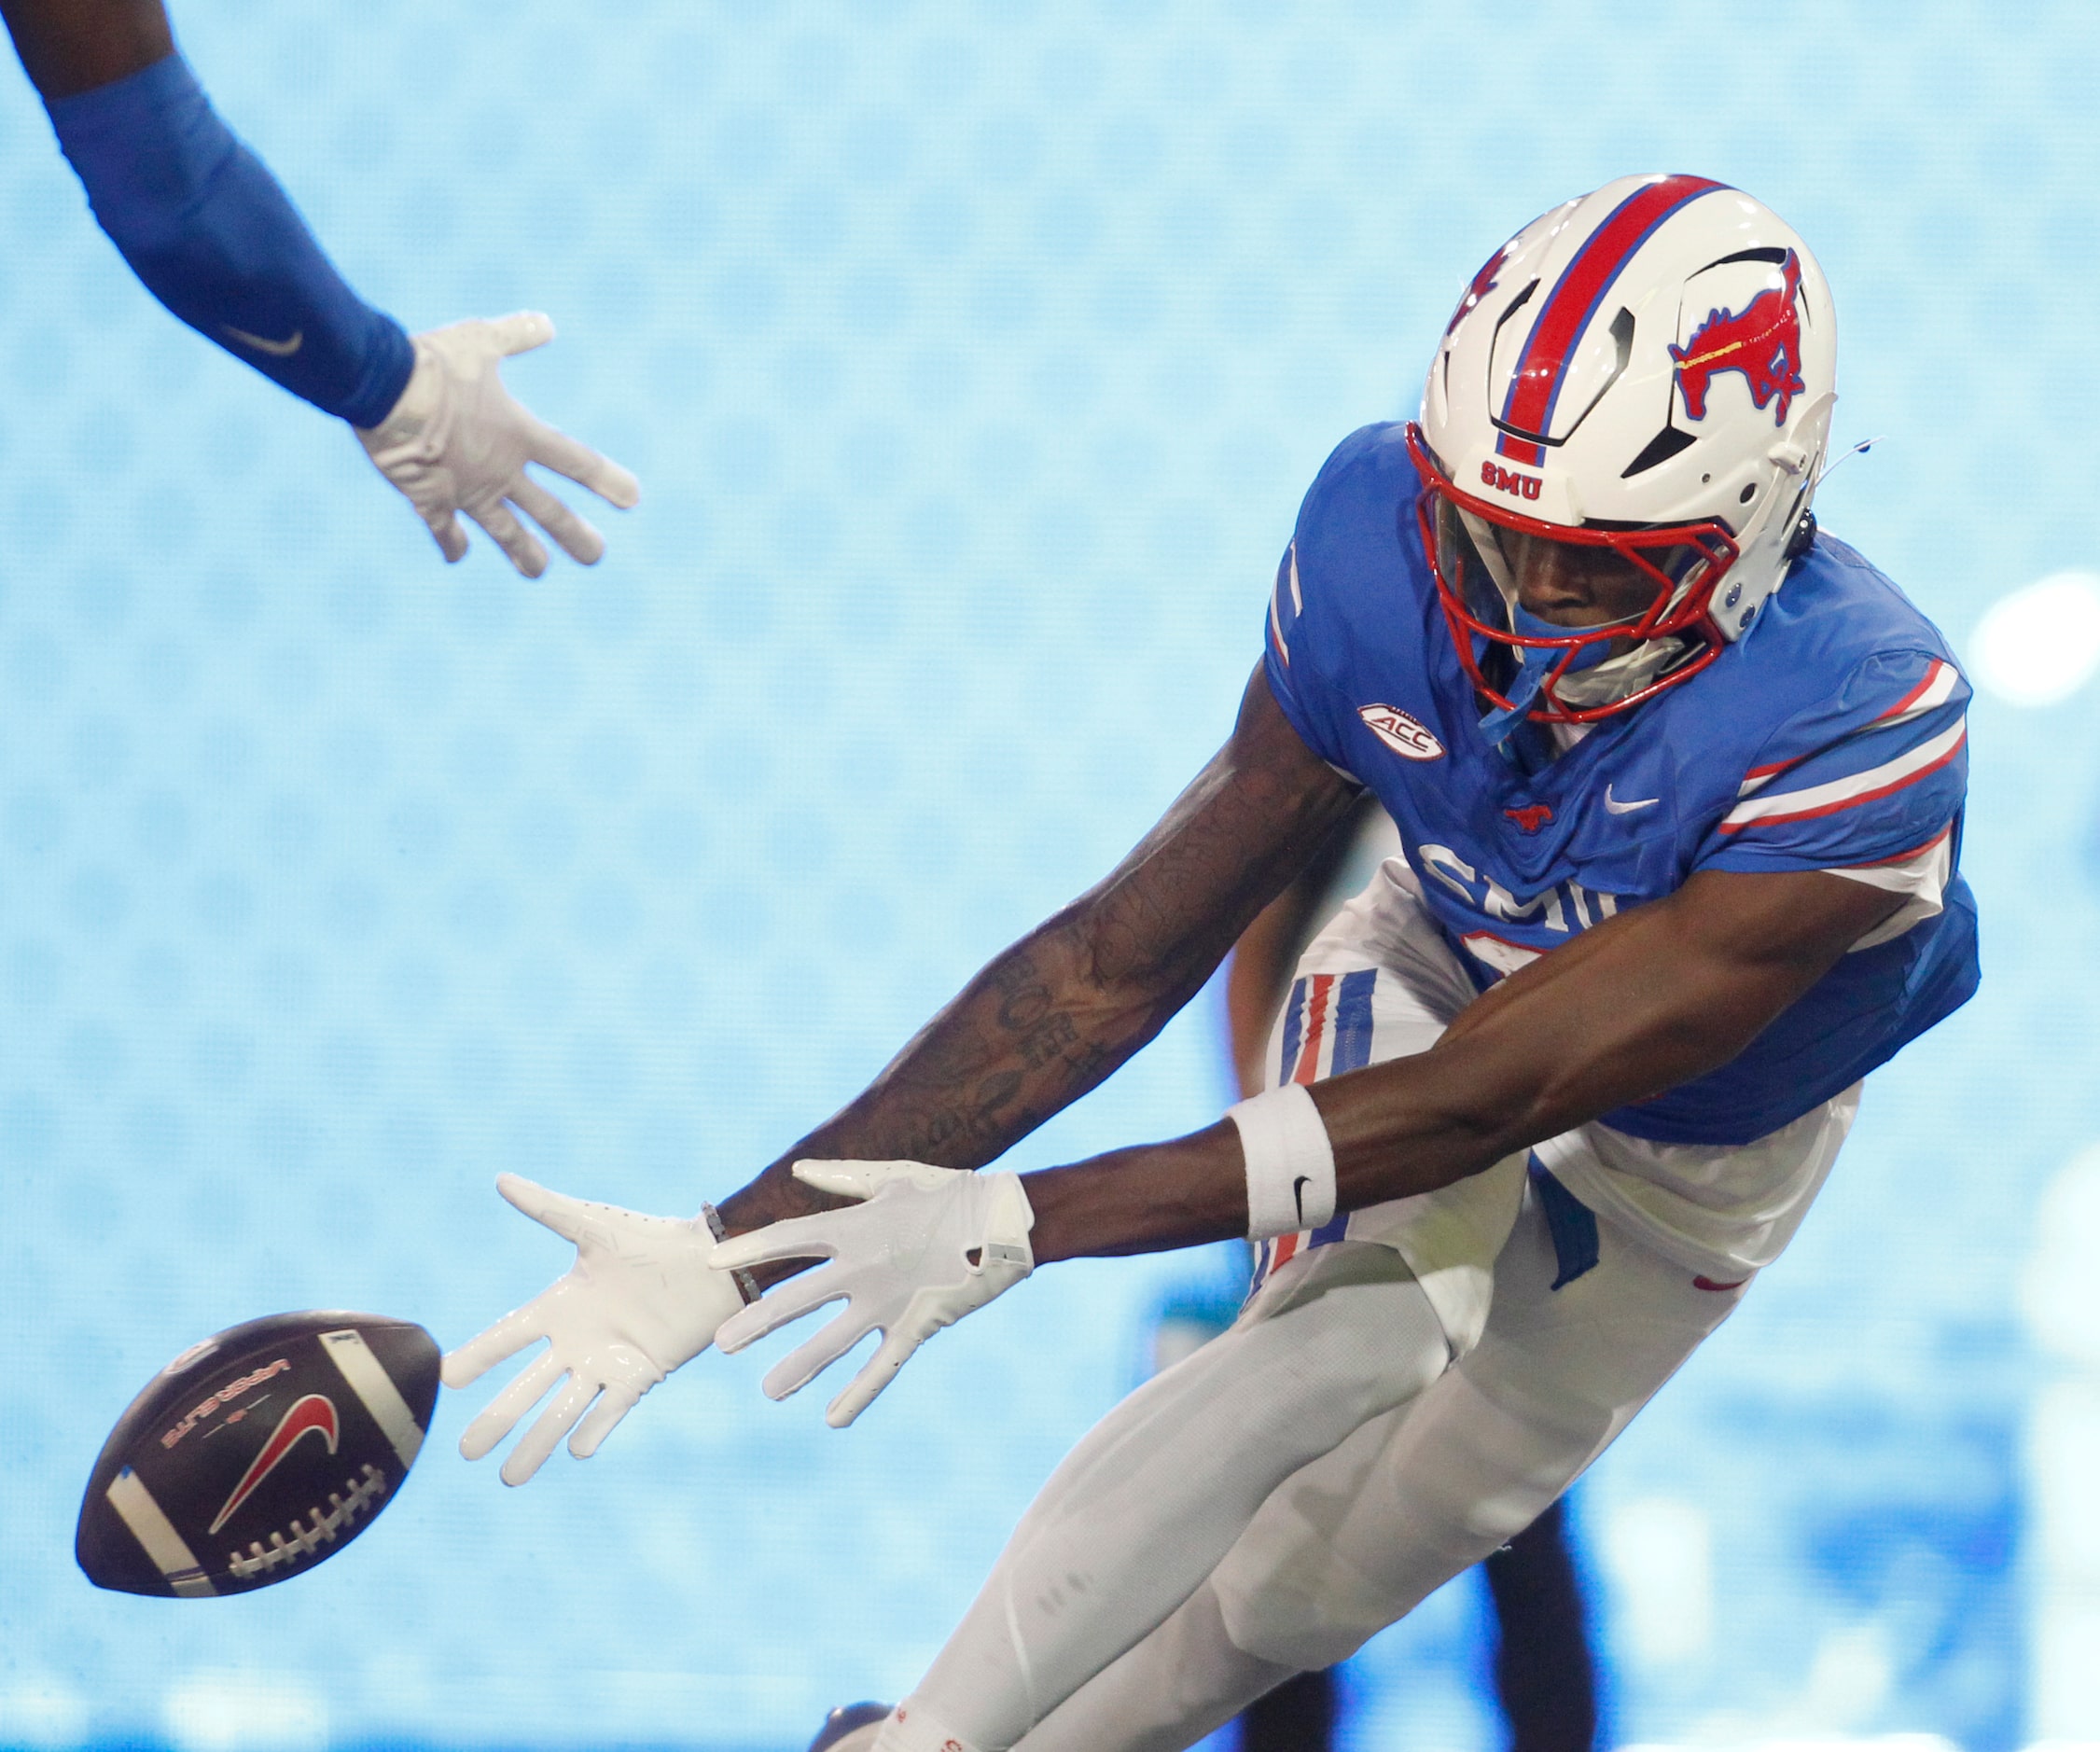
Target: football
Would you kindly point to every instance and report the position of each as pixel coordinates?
(257, 1454)
(851, 1728)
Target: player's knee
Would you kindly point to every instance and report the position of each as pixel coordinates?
(1302, 1631)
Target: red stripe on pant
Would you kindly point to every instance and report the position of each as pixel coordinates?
(1316, 1007)
(1318, 1003)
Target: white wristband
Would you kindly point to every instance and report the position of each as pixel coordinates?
(1290, 1163)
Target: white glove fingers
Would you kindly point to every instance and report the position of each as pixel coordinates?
(847, 1178)
(555, 449)
(777, 1307)
(569, 1218)
(890, 1357)
(455, 440)
(512, 537)
(842, 1179)
(451, 538)
(795, 1238)
(805, 1363)
(520, 332)
(482, 1353)
(503, 1411)
(545, 1436)
(613, 1404)
(576, 538)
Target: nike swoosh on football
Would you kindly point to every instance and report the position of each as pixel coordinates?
(1617, 808)
(276, 349)
(314, 1414)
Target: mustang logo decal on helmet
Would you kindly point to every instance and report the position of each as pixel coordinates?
(1764, 343)
(1483, 282)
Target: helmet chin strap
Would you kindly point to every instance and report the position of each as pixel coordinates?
(1618, 676)
(1501, 723)
(1594, 678)
(1613, 678)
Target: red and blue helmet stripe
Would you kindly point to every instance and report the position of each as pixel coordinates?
(1565, 315)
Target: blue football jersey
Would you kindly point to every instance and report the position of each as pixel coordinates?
(1832, 735)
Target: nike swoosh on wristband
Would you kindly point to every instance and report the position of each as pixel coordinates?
(276, 349)
(1617, 808)
(1298, 1194)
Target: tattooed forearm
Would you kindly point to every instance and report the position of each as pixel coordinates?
(1057, 1013)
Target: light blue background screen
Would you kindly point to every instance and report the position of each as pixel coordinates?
(973, 359)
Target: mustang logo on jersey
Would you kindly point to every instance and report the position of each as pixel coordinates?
(1764, 343)
(1408, 737)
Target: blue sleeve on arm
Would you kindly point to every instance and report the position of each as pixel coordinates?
(205, 227)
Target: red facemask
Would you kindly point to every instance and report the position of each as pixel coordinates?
(1650, 584)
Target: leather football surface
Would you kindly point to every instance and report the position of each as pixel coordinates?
(257, 1453)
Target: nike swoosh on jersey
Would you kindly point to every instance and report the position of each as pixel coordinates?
(1617, 808)
(276, 349)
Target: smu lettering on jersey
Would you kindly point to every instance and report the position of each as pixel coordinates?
(1830, 737)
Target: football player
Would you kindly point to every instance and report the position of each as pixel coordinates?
(206, 228)
(1679, 781)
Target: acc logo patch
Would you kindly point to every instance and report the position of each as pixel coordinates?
(1402, 733)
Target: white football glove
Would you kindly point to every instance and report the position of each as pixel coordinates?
(456, 442)
(641, 1299)
(902, 1261)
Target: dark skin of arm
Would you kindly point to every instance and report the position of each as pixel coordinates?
(1653, 997)
(1053, 1016)
(68, 47)
(1261, 970)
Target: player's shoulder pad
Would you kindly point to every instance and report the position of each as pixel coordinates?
(1331, 606)
(1850, 653)
(1863, 750)
(1368, 470)
(1354, 527)
(1837, 606)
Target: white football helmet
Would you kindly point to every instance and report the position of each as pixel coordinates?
(1645, 378)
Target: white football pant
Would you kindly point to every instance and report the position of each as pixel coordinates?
(1391, 1406)
(1356, 1539)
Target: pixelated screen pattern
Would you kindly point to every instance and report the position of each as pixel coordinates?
(973, 357)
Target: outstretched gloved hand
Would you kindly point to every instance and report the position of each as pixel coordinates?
(641, 1299)
(456, 442)
(928, 1247)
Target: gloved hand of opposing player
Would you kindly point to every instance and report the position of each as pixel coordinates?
(456, 442)
(640, 1299)
(927, 1246)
